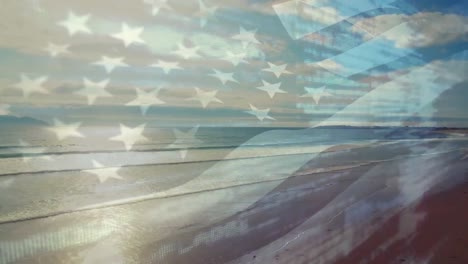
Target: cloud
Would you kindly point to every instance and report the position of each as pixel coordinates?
(311, 10)
(4, 109)
(325, 15)
(406, 95)
(330, 65)
(314, 14)
(419, 30)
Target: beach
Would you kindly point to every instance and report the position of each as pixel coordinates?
(366, 201)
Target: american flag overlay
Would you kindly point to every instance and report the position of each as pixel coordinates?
(233, 131)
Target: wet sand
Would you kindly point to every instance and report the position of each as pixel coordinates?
(387, 215)
(377, 204)
(440, 237)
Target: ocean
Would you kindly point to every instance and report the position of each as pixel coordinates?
(40, 170)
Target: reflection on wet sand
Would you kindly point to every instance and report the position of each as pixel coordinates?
(349, 205)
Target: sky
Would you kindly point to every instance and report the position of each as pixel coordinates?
(235, 62)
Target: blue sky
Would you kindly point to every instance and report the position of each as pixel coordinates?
(370, 63)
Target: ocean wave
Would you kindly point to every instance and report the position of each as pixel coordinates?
(68, 162)
(15, 150)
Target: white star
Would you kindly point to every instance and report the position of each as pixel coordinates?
(183, 153)
(261, 114)
(167, 66)
(205, 97)
(75, 23)
(271, 88)
(33, 150)
(186, 52)
(31, 85)
(54, 49)
(246, 36)
(93, 90)
(145, 99)
(277, 70)
(129, 35)
(4, 109)
(235, 59)
(157, 5)
(129, 136)
(223, 76)
(104, 173)
(184, 139)
(110, 63)
(205, 12)
(63, 131)
(316, 93)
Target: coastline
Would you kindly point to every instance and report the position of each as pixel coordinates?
(310, 199)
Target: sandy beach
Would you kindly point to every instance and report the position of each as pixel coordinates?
(373, 203)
